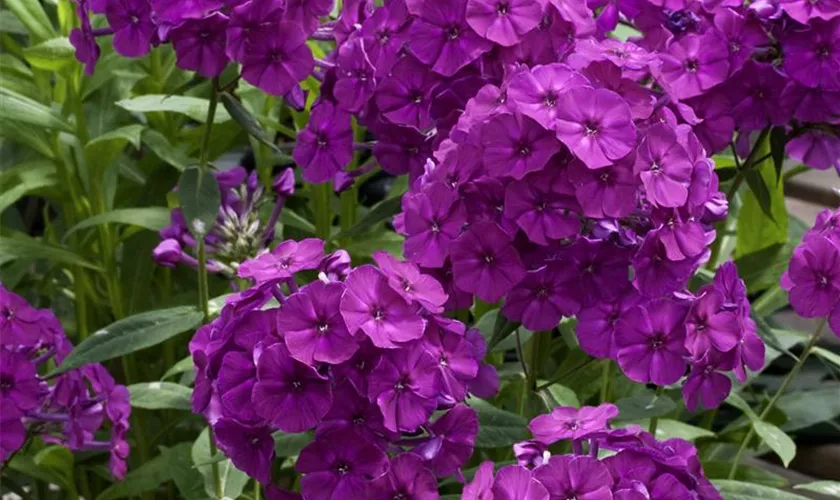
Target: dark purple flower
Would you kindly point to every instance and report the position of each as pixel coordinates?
(709, 325)
(513, 145)
(706, 385)
(352, 410)
(813, 277)
(133, 28)
(816, 148)
(597, 324)
(84, 41)
(325, 146)
(664, 167)
(566, 422)
(312, 325)
(406, 279)
(279, 61)
(650, 339)
(503, 21)
(251, 449)
(605, 192)
(543, 297)
(480, 488)
(455, 357)
(595, 124)
(434, 217)
(543, 207)
(441, 37)
(405, 96)
(535, 92)
(579, 477)
(407, 478)
(289, 394)
(405, 385)
(805, 10)
(200, 44)
(485, 262)
(371, 305)
(339, 465)
(19, 383)
(516, 482)
(384, 33)
(355, 81)
(249, 23)
(234, 384)
(174, 13)
(456, 430)
(655, 274)
(401, 150)
(19, 322)
(12, 431)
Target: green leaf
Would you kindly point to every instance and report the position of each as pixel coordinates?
(777, 440)
(292, 219)
(18, 108)
(182, 366)
(243, 117)
(763, 218)
(645, 404)
(289, 445)
(738, 402)
(51, 55)
(20, 180)
(200, 198)
(496, 328)
(778, 142)
(60, 462)
(160, 396)
(151, 218)
(29, 249)
(761, 192)
(382, 212)
(827, 355)
(132, 334)
(33, 17)
(11, 24)
(497, 428)
(830, 488)
(719, 469)
(737, 490)
(189, 481)
(164, 150)
(807, 408)
(193, 107)
(108, 145)
(147, 477)
(561, 395)
(233, 479)
(667, 429)
(388, 241)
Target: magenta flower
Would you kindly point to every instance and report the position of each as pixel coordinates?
(12, 432)
(19, 383)
(805, 10)
(441, 37)
(681, 234)
(693, 65)
(352, 410)
(664, 167)
(543, 297)
(813, 277)
(535, 92)
(516, 482)
(571, 476)
(235, 382)
(355, 80)
(370, 304)
(513, 145)
(655, 274)
(434, 217)
(86, 49)
(456, 360)
(405, 97)
(543, 207)
(456, 431)
(741, 34)
(312, 325)
(200, 45)
(597, 324)
(650, 341)
(484, 262)
(18, 320)
(566, 422)
(250, 22)
(131, 21)
(706, 385)
(595, 124)
(405, 385)
(339, 465)
(406, 279)
(284, 261)
(816, 148)
(289, 394)
(174, 13)
(480, 488)
(407, 477)
(251, 449)
(503, 21)
(709, 325)
(279, 61)
(605, 192)
(385, 33)
(325, 146)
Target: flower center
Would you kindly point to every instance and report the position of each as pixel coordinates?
(378, 314)
(657, 342)
(691, 65)
(384, 36)
(8, 313)
(399, 496)
(550, 99)
(590, 128)
(134, 19)
(276, 55)
(453, 32)
(823, 51)
(502, 8)
(321, 141)
(417, 98)
(605, 177)
(572, 425)
(435, 227)
(323, 327)
(488, 258)
(444, 361)
(400, 385)
(524, 150)
(6, 383)
(297, 385)
(342, 468)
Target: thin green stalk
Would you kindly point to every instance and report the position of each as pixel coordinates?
(566, 374)
(257, 491)
(654, 422)
(520, 353)
(208, 124)
(605, 382)
(812, 342)
(217, 478)
(322, 195)
(203, 291)
(708, 421)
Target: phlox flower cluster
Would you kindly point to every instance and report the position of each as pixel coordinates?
(813, 277)
(71, 409)
(361, 356)
(241, 230)
(636, 466)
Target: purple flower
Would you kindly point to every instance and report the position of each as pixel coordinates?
(401, 150)
(236, 378)
(19, 384)
(605, 192)
(251, 449)
(682, 235)
(355, 80)
(19, 322)
(250, 22)
(406, 478)
(84, 41)
(371, 305)
(503, 21)
(133, 28)
(405, 97)
(289, 394)
(385, 35)
(650, 341)
(595, 124)
(813, 277)
(597, 324)
(513, 145)
(351, 410)
(805, 10)
(284, 261)
(480, 488)
(485, 262)
(708, 325)
(655, 274)
(441, 37)
(535, 92)
(405, 384)
(339, 465)
(279, 61)
(434, 217)
(325, 146)
(542, 207)
(406, 279)
(174, 13)
(515, 482)
(741, 34)
(566, 422)
(313, 327)
(543, 297)
(706, 385)
(307, 13)
(816, 148)
(12, 432)
(455, 357)
(200, 45)
(693, 65)
(580, 477)
(664, 167)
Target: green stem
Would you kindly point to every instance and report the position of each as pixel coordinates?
(520, 353)
(565, 374)
(654, 422)
(322, 194)
(208, 124)
(203, 291)
(217, 478)
(812, 342)
(708, 421)
(605, 382)
(257, 491)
